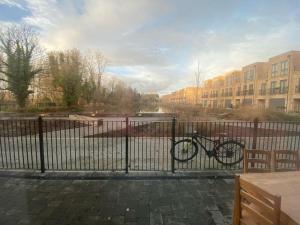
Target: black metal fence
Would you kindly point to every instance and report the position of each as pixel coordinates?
(127, 144)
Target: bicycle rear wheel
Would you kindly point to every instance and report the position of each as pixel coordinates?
(229, 152)
(184, 150)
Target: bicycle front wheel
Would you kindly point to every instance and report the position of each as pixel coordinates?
(229, 152)
(184, 150)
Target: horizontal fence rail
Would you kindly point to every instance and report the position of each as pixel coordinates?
(129, 144)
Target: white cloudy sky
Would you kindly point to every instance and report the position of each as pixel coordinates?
(155, 44)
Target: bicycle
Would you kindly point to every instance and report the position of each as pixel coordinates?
(227, 152)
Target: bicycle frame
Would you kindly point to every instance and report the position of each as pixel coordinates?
(199, 138)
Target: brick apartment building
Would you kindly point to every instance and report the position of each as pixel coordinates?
(272, 84)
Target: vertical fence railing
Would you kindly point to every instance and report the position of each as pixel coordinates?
(173, 143)
(254, 142)
(255, 131)
(150, 144)
(19, 144)
(85, 145)
(128, 144)
(41, 142)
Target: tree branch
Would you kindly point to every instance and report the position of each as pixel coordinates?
(33, 72)
(6, 73)
(2, 79)
(3, 62)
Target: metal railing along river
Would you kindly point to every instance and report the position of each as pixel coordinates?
(128, 144)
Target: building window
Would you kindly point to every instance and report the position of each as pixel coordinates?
(263, 88)
(239, 91)
(273, 87)
(283, 87)
(245, 76)
(249, 75)
(245, 90)
(251, 90)
(274, 70)
(237, 79)
(284, 67)
(297, 88)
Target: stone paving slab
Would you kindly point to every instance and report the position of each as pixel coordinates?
(114, 202)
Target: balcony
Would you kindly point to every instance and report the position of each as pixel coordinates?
(248, 92)
(283, 72)
(278, 91)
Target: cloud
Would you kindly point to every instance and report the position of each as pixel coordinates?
(12, 3)
(155, 45)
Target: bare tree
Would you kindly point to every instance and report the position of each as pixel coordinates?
(121, 97)
(19, 48)
(96, 64)
(101, 63)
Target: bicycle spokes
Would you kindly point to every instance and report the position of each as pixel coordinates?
(187, 148)
(225, 151)
(229, 152)
(184, 150)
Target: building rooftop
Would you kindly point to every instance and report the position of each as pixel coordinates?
(285, 53)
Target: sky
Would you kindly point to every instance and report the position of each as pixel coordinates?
(155, 45)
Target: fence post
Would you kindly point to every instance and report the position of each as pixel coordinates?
(126, 144)
(173, 143)
(255, 130)
(41, 140)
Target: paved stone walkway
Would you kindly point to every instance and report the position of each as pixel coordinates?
(114, 202)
